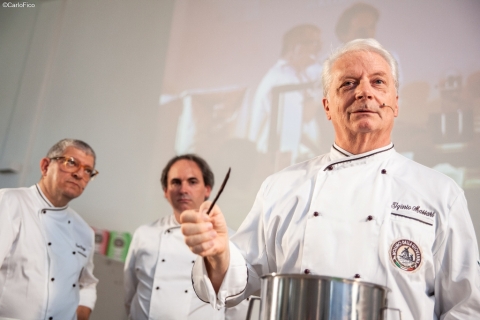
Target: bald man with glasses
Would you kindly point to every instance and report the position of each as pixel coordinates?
(46, 248)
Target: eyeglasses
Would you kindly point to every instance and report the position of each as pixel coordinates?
(70, 164)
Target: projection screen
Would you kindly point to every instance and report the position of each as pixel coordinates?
(226, 97)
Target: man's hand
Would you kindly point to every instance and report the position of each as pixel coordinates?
(83, 313)
(207, 236)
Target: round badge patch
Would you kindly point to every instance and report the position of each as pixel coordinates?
(406, 255)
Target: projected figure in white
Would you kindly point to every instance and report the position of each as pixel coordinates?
(297, 65)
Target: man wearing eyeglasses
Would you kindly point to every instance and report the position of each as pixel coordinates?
(46, 248)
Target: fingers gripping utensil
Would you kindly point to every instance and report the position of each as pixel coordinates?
(219, 191)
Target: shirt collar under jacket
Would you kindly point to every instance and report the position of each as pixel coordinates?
(44, 199)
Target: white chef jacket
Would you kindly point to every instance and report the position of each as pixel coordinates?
(290, 116)
(157, 277)
(46, 258)
(378, 216)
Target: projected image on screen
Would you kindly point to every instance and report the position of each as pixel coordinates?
(242, 84)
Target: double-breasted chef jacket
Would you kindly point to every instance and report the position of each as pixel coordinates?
(157, 279)
(377, 217)
(46, 258)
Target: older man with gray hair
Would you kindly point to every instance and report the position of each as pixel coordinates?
(362, 211)
(46, 248)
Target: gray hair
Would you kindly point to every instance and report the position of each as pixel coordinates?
(365, 45)
(58, 149)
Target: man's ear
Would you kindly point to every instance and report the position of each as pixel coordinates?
(165, 193)
(395, 112)
(207, 192)
(326, 108)
(44, 163)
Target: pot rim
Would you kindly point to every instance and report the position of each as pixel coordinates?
(329, 278)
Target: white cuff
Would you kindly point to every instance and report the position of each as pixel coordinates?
(88, 297)
(233, 284)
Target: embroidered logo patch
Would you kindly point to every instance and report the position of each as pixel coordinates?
(406, 255)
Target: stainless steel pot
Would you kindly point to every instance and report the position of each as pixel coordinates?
(309, 297)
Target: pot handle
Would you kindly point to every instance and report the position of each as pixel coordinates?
(250, 306)
(383, 313)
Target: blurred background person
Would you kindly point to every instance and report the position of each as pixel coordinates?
(298, 64)
(357, 21)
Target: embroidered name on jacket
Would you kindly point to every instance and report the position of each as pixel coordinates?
(398, 206)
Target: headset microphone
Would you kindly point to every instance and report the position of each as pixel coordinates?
(384, 105)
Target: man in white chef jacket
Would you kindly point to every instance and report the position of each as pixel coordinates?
(361, 211)
(46, 248)
(157, 275)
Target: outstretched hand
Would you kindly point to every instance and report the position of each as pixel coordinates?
(207, 236)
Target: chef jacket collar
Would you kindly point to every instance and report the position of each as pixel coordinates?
(171, 223)
(45, 200)
(337, 152)
(338, 155)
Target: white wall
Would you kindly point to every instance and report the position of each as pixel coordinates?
(90, 70)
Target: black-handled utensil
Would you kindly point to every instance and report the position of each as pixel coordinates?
(219, 191)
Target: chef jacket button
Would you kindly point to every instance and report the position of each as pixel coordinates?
(49, 243)
(186, 291)
(168, 230)
(74, 285)
(51, 318)
(53, 279)
(356, 276)
(193, 261)
(307, 271)
(163, 260)
(68, 221)
(384, 171)
(157, 288)
(329, 168)
(73, 252)
(369, 218)
(315, 214)
(44, 211)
